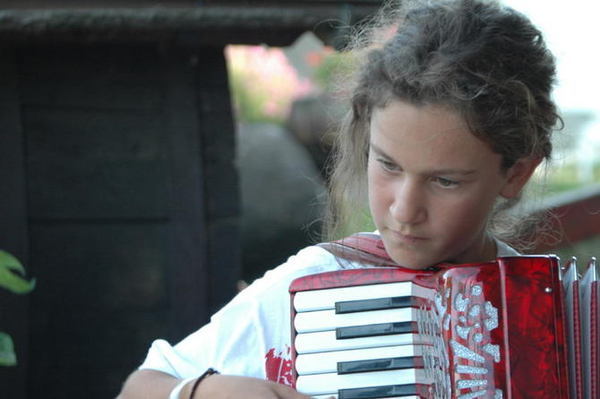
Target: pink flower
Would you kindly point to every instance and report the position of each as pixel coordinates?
(266, 78)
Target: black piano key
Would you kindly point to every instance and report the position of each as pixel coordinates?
(365, 305)
(387, 391)
(404, 327)
(392, 363)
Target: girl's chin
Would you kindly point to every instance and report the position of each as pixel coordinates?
(413, 263)
(411, 258)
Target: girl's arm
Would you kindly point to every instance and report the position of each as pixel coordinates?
(151, 384)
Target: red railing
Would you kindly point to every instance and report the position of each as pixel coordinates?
(575, 216)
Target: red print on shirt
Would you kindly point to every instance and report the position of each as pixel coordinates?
(279, 366)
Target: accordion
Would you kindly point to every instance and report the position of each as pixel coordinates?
(518, 327)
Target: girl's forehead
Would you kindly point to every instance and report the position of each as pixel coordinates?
(433, 116)
(402, 122)
(426, 134)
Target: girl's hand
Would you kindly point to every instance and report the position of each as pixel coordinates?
(218, 386)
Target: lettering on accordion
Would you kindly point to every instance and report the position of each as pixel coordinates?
(467, 320)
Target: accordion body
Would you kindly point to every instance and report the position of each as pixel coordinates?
(504, 329)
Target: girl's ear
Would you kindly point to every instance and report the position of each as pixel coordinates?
(518, 175)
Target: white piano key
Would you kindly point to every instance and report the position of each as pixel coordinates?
(326, 362)
(323, 320)
(330, 383)
(326, 341)
(305, 301)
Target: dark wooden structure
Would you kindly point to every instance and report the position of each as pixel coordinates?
(118, 188)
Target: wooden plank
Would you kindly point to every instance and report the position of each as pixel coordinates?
(248, 22)
(101, 290)
(79, 4)
(110, 163)
(99, 197)
(225, 261)
(221, 177)
(187, 238)
(96, 190)
(55, 133)
(72, 345)
(294, 2)
(13, 223)
(100, 76)
(218, 136)
(99, 266)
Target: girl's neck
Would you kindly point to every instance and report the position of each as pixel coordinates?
(484, 250)
(490, 250)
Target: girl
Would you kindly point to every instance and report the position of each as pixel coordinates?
(448, 119)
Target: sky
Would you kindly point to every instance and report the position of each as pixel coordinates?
(571, 29)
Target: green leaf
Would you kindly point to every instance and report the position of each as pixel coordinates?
(7, 351)
(10, 268)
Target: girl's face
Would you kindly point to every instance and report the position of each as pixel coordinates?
(433, 184)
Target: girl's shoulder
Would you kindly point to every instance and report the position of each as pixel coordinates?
(320, 258)
(310, 260)
(360, 250)
(274, 284)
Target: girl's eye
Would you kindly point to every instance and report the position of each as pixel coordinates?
(445, 183)
(387, 165)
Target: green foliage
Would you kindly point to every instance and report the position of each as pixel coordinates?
(358, 221)
(334, 67)
(11, 271)
(566, 177)
(10, 268)
(7, 351)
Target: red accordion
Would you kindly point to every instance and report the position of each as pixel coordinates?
(518, 327)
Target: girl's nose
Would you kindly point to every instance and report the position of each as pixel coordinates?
(408, 206)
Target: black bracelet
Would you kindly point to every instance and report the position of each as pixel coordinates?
(209, 371)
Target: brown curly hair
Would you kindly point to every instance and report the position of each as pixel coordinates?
(478, 58)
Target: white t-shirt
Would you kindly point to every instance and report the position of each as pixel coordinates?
(251, 335)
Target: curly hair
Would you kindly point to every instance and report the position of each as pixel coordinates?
(478, 58)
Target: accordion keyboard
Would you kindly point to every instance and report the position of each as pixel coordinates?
(357, 342)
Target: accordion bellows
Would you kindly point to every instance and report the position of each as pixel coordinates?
(518, 327)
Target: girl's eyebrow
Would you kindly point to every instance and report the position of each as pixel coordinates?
(447, 171)
(379, 151)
